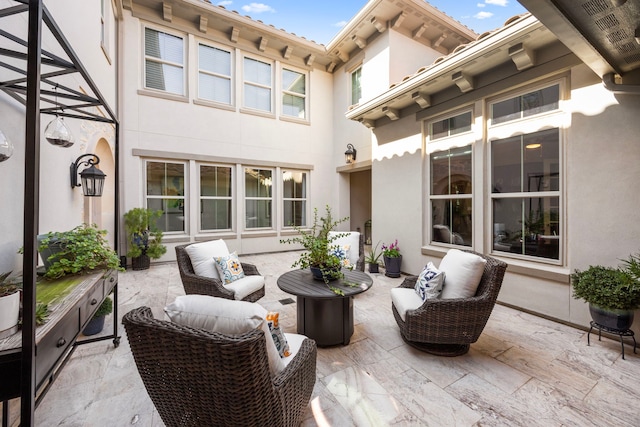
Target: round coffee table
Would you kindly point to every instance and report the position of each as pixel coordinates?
(322, 315)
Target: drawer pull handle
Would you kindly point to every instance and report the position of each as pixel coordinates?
(94, 301)
(112, 279)
(61, 342)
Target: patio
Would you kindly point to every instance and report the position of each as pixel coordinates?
(524, 370)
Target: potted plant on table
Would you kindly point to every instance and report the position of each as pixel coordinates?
(392, 259)
(373, 259)
(612, 293)
(143, 236)
(319, 257)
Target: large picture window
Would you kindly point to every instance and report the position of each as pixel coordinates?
(294, 198)
(214, 74)
(294, 92)
(163, 61)
(450, 196)
(258, 191)
(525, 192)
(257, 84)
(216, 198)
(166, 192)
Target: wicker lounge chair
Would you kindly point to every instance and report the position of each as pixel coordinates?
(200, 378)
(194, 284)
(447, 327)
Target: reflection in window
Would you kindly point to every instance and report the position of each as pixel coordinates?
(164, 61)
(294, 198)
(293, 94)
(257, 84)
(165, 192)
(526, 194)
(258, 185)
(526, 105)
(451, 191)
(215, 198)
(356, 87)
(214, 75)
(451, 126)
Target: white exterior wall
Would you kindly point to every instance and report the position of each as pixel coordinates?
(407, 56)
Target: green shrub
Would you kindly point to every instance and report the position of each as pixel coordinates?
(607, 287)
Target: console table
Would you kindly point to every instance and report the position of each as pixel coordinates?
(323, 315)
(58, 337)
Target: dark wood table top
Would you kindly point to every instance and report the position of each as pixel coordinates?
(301, 283)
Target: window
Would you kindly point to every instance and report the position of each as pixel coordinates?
(451, 190)
(165, 192)
(164, 61)
(294, 198)
(216, 202)
(451, 126)
(294, 92)
(525, 192)
(214, 74)
(356, 88)
(258, 194)
(257, 84)
(526, 105)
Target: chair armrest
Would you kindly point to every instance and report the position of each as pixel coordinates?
(296, 381)
(194, 284)
(409, 282)
(250, 269)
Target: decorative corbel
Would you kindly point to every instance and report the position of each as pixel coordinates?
(167, 13)
(263, 44)
(422, 99)
(235, 34)
(417, 33)
(380, 25)
(521, 56)
(397, 21)
(463, 81)
(286, 53)
(203, 24)
(359, 41)
(392, 113)
(310, 59)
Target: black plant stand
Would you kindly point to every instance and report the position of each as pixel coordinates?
(623, 333)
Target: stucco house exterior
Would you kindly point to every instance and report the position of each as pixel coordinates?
(507, 143)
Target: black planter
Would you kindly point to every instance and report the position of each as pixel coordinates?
(94, 326)
(392, 266)
(141, 262)
(617, 320)
(374, 268)
(320, 274)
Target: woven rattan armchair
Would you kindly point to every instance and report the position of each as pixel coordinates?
(447, 327)
(194, 284)
(199, 378)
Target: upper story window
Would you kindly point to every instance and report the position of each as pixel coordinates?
(258, 83)
(214, 74)
(166, 192)
(451, 126)
(294, 94)
(163, 61)
(258, 194)
(529, 104)
(216, 198)
(356, 87)
(294, 198)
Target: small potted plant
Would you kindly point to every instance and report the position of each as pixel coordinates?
(392, 259)
(373, 259)
(9, 304)
(612, 293)
(318, 257)
(143, 236)
(96, 324)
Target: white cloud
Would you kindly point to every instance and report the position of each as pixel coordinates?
(224, 3)
(481, 5)
(257, 8)
(483, 15)
(502, 3)
(340, 24)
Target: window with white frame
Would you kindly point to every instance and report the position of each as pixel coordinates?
(258, 84)
(294, 94)
(214, 74)
(450, 126)
(356, 86)
(294, 198)
(163, 61)
(216, 198)
(165, 182)
(526, 176)
(258, 194)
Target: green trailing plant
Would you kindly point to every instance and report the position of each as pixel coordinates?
(143, 236)
(607, 287)
(83, 249)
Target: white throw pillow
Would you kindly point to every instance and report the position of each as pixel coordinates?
(224, 316)
(429, 283)
(462, 274)
(202, 257)
(351, 238)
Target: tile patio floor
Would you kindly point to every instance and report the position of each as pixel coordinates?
(524, 370)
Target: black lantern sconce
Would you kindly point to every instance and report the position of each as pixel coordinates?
(92, 178)
(350, 154)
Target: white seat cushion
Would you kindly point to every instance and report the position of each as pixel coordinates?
(462, 274)
(404, 299)
(202, 257)
(224, 316)
(352, 239)
(245, 286)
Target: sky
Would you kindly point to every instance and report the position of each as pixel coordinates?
(321, 20)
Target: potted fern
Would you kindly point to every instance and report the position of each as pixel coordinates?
(143, 236)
